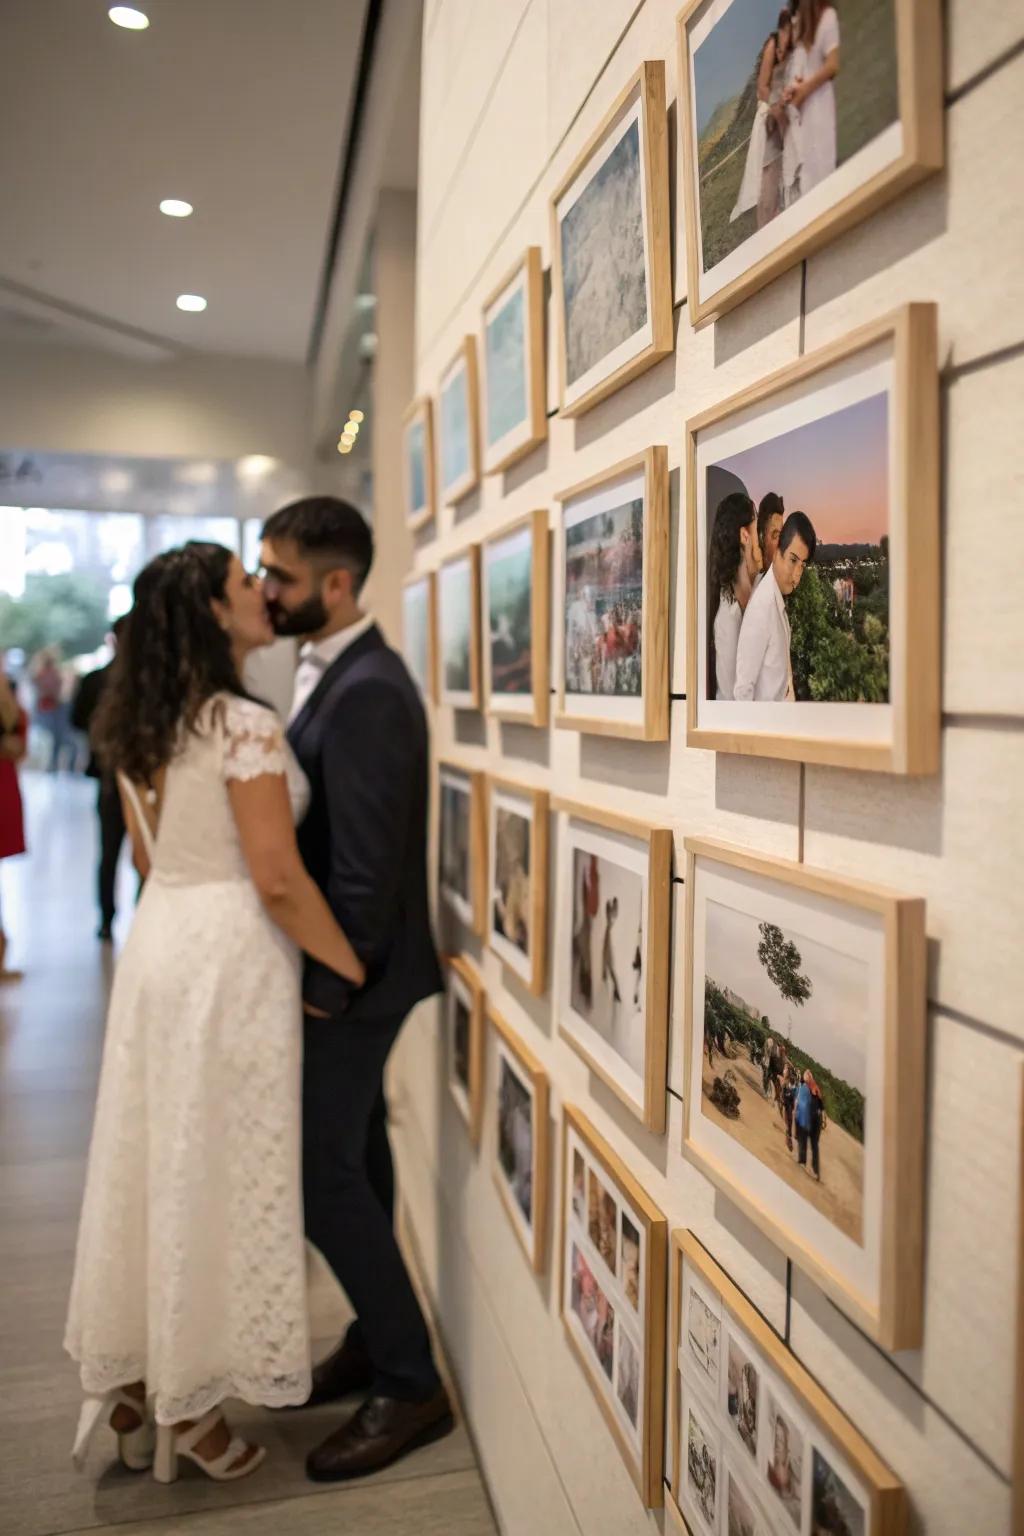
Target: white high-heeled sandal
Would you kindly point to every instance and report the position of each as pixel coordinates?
(135, 1446)
(221, 1469)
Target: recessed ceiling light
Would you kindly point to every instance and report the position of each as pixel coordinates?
(128, 16)
(175, 208)
(193, 302)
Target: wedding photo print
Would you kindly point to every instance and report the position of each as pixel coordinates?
(613, 1248)
(813, 611)
(521, 1139)
(613, 596)
(615, 877)
(794, 115)
(757, 1448)
(800, 984)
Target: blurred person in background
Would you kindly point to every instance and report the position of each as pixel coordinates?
(13, 745)
(50, 710)
(108, 800)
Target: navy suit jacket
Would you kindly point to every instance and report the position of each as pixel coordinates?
(361, 739)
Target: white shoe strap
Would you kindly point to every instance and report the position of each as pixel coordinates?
(190, 1438)
(235, 1451)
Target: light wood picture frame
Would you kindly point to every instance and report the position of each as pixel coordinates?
(458, 425)
(458, 629)
(810, 196)
(515, 618)
(613, 935)
(613, 296)
(739, 1381)
(850, 433)
(612, 584)
(465, 1041)
(832, 1170)
(419, 472)
(613, 1246)
(513, 371)
(462, 843)
(517, 908)
(419, 631)
(522, 1139)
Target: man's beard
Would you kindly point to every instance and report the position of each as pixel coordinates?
(307, 619)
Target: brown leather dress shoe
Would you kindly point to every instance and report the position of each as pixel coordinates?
(378, 1433)
(345, 1371)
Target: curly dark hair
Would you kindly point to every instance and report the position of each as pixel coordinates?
(173, 656)
(733, 512)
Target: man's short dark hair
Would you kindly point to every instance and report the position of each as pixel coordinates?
(798, 526)
(328, 531)
(771, 504)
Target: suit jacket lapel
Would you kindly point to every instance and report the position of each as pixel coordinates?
(371, 641)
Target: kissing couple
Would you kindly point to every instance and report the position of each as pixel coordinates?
(266, 976)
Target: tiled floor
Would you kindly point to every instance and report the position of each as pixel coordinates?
(51, 1033)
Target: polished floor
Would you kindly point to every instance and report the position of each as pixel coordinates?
(51, 1034)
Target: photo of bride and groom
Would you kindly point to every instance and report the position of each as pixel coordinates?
(783, 97)
(281, 939)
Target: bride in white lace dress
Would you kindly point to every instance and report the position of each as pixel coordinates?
(189, 1283)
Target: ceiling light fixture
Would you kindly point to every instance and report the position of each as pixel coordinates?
(356, 416)
(194, 303)
(344, 447)
(175, 208)
(127, 16)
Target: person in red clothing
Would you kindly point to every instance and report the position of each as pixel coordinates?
(13, 743)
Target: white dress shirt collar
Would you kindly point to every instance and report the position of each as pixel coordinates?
(315, 658)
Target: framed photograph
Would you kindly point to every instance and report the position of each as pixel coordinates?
(419, 631)
(514, 378)
(518, 914)
(612, 652)
(611, 271)
(418, 462)
(464, 1041)
(458, 593)
(813, 541)
(458, 435)
(521, 1151)
(613, 940)
(517, 614)
(614, 1243)
(805, 1071)
(797, 124)
(756, 1446)
(462, 844)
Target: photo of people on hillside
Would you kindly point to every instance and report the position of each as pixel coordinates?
(783, 97)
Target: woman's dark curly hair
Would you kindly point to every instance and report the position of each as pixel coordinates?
(172, 657)
(734, 512)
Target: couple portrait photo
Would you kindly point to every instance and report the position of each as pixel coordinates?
(281, 939)
(798, 563)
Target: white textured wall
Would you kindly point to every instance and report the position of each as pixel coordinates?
(510, 92)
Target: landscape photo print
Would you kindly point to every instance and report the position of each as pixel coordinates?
(790, 1014)
(516, 608)
(793, 120)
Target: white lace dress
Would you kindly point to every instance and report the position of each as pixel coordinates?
(190, 1268)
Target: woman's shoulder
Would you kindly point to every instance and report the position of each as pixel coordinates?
(237, 715)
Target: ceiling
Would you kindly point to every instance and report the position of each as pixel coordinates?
(240, 107)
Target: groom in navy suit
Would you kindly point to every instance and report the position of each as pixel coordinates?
(359, 731)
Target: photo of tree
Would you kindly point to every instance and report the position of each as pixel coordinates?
(834, 470)
(784, 1061)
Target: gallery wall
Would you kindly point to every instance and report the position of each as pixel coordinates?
(511, 93)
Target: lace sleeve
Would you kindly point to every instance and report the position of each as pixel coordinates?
(253, 741)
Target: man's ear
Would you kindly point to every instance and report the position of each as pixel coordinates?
(337, 587)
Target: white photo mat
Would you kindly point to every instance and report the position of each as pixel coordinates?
(629, 1320)
(855, 378)
(605, 498)
(632, 112)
